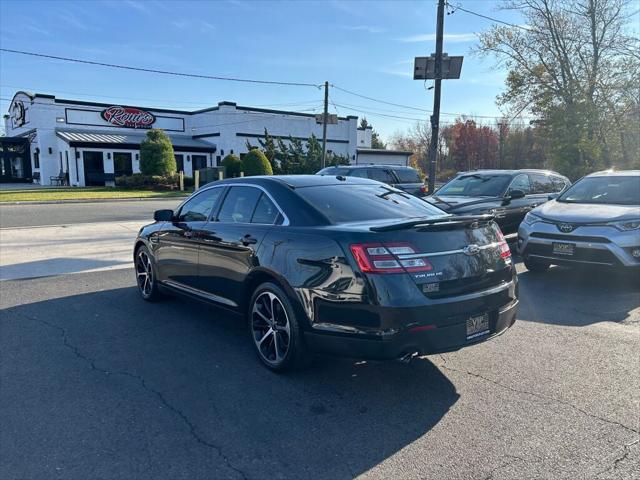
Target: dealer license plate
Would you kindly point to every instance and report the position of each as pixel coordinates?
(477, 326)
(561, 248)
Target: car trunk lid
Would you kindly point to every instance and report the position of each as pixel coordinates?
(443, 256)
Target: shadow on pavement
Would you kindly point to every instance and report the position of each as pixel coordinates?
(583, 296)
(55, 266)
(107, 372)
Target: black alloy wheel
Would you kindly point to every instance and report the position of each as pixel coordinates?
(274, 329)
(146, 276)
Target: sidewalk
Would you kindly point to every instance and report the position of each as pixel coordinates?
(88, 247)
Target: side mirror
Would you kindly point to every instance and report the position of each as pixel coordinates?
(552, 196)
(516, 194)
(163, 215)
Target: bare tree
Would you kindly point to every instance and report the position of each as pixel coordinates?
(574, 65)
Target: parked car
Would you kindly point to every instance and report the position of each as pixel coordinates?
(406, 179)
(507, 194)
(595, 222)
(340, 265)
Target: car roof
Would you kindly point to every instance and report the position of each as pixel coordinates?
(296, 181)
(615, 173)
(510, 172)
(355, 167)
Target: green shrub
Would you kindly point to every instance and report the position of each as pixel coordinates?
(256, 163)
(154, 182)
(232, 165)
(156, 154)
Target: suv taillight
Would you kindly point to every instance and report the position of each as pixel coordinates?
(384, 258)
(505, 251)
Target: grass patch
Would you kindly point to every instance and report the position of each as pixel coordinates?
(90, 193)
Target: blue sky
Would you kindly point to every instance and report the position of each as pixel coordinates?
(365, 47)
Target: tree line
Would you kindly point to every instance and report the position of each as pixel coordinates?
(575, 67)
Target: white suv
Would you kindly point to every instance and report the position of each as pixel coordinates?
(595, 222)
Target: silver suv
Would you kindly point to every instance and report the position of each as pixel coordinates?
(595, 222)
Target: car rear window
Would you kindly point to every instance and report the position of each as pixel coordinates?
(352, 203)
(408, 175)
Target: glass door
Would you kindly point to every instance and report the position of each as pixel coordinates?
(122, 164)
(93, 168)
(15, 160)
(179, 162)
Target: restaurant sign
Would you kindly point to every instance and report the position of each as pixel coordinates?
(129, 117)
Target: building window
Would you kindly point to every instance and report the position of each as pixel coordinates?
(36, 159)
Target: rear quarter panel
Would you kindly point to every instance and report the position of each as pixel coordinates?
(311, 267)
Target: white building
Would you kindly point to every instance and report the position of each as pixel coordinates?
(51, 140)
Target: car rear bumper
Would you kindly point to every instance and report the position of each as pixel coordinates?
(448, 335)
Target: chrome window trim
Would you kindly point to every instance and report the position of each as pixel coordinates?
(285, 221)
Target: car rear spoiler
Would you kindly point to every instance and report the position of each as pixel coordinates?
(439, 221)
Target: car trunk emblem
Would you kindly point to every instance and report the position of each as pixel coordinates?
(471, 249)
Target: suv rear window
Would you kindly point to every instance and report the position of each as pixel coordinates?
(407, 175)
(353, 203)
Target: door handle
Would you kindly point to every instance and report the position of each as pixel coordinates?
(248, 240)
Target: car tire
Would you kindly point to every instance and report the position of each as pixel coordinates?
(275, 330)
(146, 277)
(536, 265)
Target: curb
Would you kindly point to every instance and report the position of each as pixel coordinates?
(92, 200)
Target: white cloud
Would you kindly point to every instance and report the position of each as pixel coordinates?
(363, 28)
(139, 6)
(398, 73)
(448, 37)
(207, 27)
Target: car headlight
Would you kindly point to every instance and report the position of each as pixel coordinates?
(531, 218)
(626, 225)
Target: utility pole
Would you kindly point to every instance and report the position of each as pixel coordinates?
(501, 126)
(325, 116)
(435, 117)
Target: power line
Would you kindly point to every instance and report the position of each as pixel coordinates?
(486, 17)
(162, 72)
(378, 100)
(201, 104)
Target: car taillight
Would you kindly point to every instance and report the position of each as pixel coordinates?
(505, 251)
(424, 189)
(384, 258)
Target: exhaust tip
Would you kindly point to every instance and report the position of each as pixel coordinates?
(407, 357)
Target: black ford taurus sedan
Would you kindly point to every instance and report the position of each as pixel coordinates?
(339, 265)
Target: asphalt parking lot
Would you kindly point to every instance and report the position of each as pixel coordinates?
(97, 384)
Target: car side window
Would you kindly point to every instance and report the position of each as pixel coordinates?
(358, 172)
(521, 182)
(239, 204)
(558, 183)
(199, 207)
(266, 212)
(381, 175)
(540, 183)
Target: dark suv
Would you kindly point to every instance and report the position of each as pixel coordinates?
(403, 178)
(507, 194)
